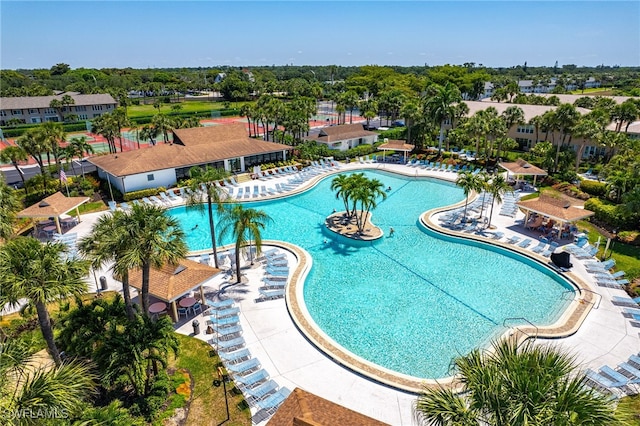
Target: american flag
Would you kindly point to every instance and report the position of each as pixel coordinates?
(63, 176)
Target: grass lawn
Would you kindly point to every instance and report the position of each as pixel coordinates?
(94, 206)
(629, 410)
(208, 403)
(593, 91)
(134, 111)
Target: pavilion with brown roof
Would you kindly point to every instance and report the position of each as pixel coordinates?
(303, 408)
(171, 282)
(54, 206)
(396, 145)
(554, 208)
(523, 168)
(226, 147)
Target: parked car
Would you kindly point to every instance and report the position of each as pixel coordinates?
(398, 123)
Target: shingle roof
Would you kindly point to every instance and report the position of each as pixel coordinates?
(555, 208)
(342, 132)
(202, 145)
(305, 408)
(397, 145)
(54, 205)
(529, 111)
(26, 102)
(172, 281)
(521, 167)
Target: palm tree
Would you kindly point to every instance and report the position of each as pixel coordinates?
(158, 241)
(9, 206)
(367, 194)
(51, 135)
(120, 120)
(110, 238)
(164, 125)
(243, 225)
(515, 384)
(106, 126)
(469, 182)
(205, 179)
(341, 184)
(25, 384)
(40, 273)
(149, 133)
(440, 106)
(497, 188)
(33, 146)
(14, 155)
(586, 130)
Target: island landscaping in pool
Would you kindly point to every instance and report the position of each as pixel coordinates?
(412, 301)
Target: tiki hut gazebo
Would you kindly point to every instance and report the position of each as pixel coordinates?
(396, 145)
(522, 168)
(302, 408)
(553, 208)
(170, 282)
(54, 206)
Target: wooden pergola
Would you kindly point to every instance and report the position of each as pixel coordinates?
(171, 282)
(54, 206)
(396, 145)
(522, 168)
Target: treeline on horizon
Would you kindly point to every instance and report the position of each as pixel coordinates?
(469, 77)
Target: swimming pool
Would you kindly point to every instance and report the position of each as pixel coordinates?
(412, 302)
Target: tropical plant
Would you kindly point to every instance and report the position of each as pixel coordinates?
(107, 243)
(158, 240)
(204, 180)
(513, 384)
(107, 126)
(341, 184)
(34, 146)
(9, 207)
(27, 385)
(469, 182)
(40, 273)
(367, 195)
(243, 225)
(497, 188)
(149, 133)
(14, 155)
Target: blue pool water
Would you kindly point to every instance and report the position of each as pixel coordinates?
(411, 302)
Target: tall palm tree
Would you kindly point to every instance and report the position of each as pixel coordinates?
(469, 182)
(515, 384)
(27, 385)
(164, 125)
(243, 225)
(107, 127)
(9, 206)
(367, 195)
(158, 241)
(585, 130)
(34, 146)
(497, 188)
(149, 133)
(341, 184)
(204, 179)
(51, 135)
(440, 106)
(14, 155)
(40, 273)
(110, 238)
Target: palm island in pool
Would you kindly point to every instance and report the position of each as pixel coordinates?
(413, 301)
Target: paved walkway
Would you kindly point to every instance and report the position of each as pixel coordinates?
(605, 337)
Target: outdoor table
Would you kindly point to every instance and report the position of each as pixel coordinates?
(157, 308)
(187, 302)
(49, 230)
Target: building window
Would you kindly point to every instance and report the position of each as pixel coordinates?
(16, 112)
(36, 120)
(150, 177)
(81, 108)
(54, 119)
(96, 115)
(33, 111)
(525, 129)
(3, 113)
(96, 107)
(50, 111)
(82, 116)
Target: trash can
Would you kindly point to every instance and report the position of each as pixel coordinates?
(196, 327)
(103, 283)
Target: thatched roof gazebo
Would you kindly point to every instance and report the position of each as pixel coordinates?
(54, 206)
(554, 208)
(523, 168)
(171, 282)
(304, 408)
(396, 145)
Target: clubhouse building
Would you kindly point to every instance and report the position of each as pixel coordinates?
(225, 147)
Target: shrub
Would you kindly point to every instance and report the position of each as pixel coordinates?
(397, 133)
(611, 214)
(134, 195)
(591, 187)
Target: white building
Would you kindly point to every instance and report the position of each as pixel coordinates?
(344, 136)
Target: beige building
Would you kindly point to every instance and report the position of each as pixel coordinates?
(37, 109)
(344, 136)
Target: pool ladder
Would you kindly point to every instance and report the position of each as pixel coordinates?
(504, 324)
(595, 302)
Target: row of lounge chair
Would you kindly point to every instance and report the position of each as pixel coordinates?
(247, 372)
(443, 167)
(621, 381)
(276, 275)
(509, 207)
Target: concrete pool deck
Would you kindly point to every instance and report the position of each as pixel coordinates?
(605, 336)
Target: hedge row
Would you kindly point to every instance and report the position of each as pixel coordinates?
(592, 187)
(613, 214)
(135, 195)
(14, 132)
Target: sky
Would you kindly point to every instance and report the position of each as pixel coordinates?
(162, 34)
